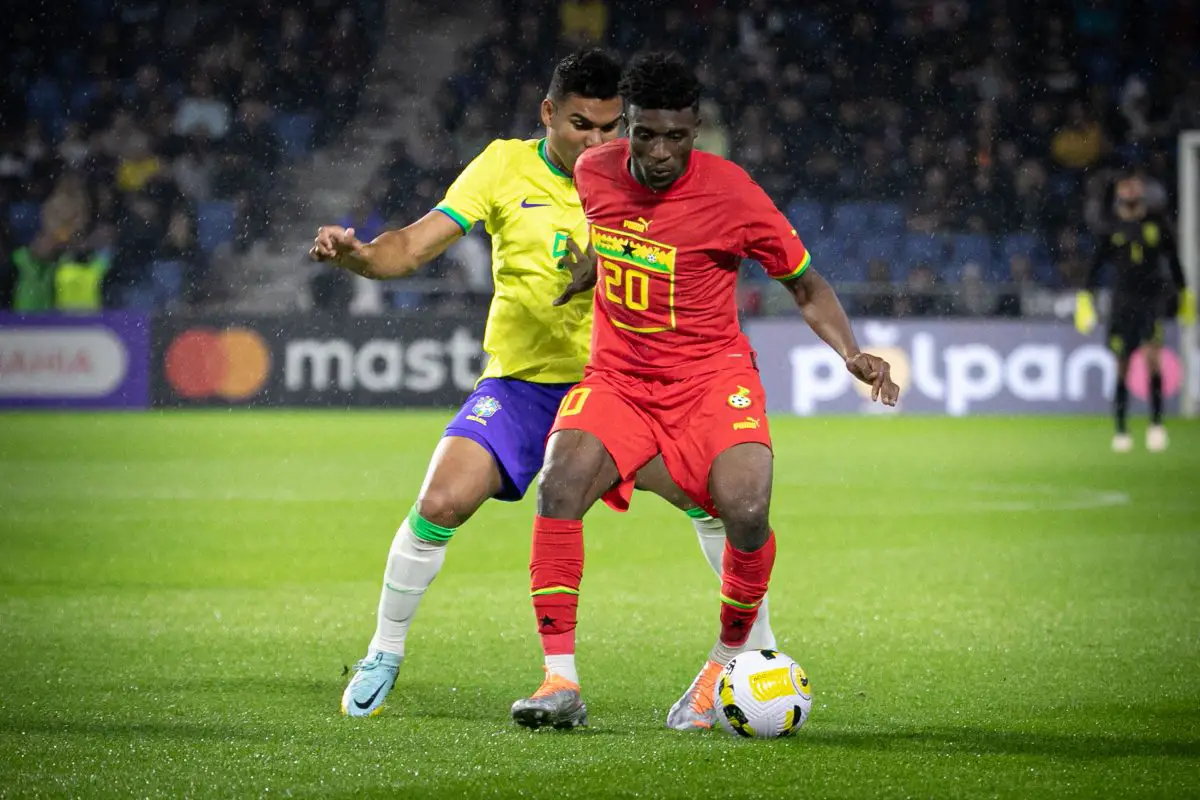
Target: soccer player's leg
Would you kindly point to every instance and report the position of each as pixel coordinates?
(724, 463)
(710, 531)
(1122, 340)
(489, 450)
(1156, 434)
(599, 441)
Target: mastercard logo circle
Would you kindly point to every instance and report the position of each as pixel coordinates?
(232, 364)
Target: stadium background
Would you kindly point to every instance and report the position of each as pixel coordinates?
(989, 607)
(941, 159)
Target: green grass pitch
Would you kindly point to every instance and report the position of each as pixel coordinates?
(986, 607)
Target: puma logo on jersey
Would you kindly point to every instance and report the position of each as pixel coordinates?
(749, 424)
(640, 225)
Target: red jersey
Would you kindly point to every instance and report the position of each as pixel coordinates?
(666, 302)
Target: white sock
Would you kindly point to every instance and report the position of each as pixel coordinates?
(563, 666)
(722, 653)
(711, 532)
(412, 565)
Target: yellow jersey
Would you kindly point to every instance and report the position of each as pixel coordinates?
(530, 208)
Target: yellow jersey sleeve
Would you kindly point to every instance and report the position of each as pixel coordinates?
(472, 196)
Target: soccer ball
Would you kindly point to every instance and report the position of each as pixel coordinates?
(762, 694)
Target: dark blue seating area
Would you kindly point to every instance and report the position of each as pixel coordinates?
(215, 222)
(158, 138)
(845, 238)
(24, 219)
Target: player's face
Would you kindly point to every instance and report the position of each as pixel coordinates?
(1131, 199)
(661, 142)
(576, 123)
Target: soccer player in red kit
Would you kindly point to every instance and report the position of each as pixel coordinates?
(670, 371)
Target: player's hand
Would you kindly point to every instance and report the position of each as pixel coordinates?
(1187, 307)
(337, 244)
(1085, 313)
(878, 373)
(582, 267)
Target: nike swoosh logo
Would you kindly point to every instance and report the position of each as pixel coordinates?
(527, 204)
(371, 699)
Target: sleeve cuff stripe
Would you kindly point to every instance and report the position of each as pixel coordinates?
(796, 273)
(458, 218)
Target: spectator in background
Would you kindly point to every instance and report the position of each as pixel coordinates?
(15, 166)
(472, 136)
(1137, 112)
(140, 230)
(880, 300)
(1027, 203)
(1020, 280)
(138, 163)
(582, 22)
(367, 217)
(179, 262)
(1071, 266)
(929, 212)
(73, 150)
(79, 278)
(1080, 142)
(973, 298)
(332, 289)
(253, 154)
(201, 112)
(195, 169)
(921, 295)
(67, 212)
(344, 61)
(34, 267)
(714, 135)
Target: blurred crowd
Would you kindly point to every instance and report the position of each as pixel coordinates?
(937, 156)
(141, 139)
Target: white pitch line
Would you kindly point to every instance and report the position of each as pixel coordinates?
(1057, 498)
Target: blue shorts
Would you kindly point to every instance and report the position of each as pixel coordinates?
(511, 419)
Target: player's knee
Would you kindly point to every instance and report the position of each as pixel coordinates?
(747, 523)
(443, 506)
(559, 495)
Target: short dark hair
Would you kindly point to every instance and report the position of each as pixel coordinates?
(660, 80)
(586, 73)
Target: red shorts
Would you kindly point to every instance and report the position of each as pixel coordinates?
(690, 421)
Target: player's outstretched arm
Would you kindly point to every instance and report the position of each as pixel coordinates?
(824, 314)
(392, 254)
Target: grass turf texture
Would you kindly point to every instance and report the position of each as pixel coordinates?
(986, 607)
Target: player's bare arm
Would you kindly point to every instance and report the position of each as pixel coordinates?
(582, 266)
(824, 314)
(392, 254)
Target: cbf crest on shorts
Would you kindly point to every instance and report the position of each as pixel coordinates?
(484, 409)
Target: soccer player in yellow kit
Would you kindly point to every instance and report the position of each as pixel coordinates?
(524, 194)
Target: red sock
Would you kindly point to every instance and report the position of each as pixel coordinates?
(555, 570)
(742, 588)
